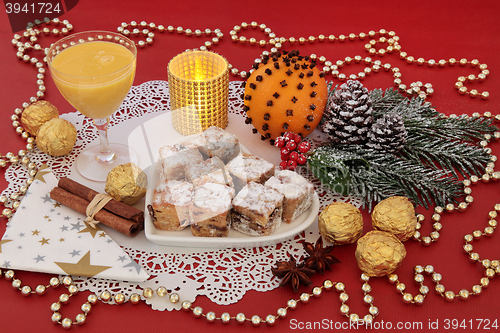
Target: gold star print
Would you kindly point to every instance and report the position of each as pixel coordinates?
(56, 205)
(3, 241)
(44, 241)
(82, 267)
(103, 234)
(35, 232)
(61, 240)
(89, 229)
(41, 173)
(46, 217)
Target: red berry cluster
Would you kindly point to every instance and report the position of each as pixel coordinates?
(293, 150)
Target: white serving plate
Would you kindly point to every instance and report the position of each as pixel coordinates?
(235, 239)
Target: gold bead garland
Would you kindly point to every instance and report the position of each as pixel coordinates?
(225, 318)
(11, 203)
(292, 304)
(389, 39)
(148, 28)
(492, 267)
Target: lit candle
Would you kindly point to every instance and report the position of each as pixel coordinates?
(199, 91)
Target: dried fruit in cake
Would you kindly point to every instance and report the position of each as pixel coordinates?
(247, 168)
(216, 142)
(170, 205)
(257, 210)
(210, 210)
(175, 157)
(297, 191)
(285, 92)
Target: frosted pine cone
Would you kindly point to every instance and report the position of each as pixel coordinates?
(348, 116)
(388, 133)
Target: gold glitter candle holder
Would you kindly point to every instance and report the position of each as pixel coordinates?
(199, 91)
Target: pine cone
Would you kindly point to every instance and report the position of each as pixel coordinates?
(348, 116)
(388, 133)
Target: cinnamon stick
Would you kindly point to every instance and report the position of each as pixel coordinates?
(125, 226)
(114, 206)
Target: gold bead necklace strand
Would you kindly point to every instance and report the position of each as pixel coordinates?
(389, 42)
(210, 317)
(12, 202)
(385, 38)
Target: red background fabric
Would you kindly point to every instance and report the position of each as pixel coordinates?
(429, 29)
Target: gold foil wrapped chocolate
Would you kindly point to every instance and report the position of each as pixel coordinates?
(379, 253)
(340, 223)
(395, 215)
(126, 183)
(56, 137)
(36, 114)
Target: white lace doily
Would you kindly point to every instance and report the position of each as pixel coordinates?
(223, 276)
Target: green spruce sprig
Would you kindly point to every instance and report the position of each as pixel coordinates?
(427, 170)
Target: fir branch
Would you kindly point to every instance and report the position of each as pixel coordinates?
(459, 128)
(460, 158)
(420, 118)
(438, 150)
(387, 178)
(382, 176)
(435, 140)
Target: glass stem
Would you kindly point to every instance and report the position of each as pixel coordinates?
(106, 155)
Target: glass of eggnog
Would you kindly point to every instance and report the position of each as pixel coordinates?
(94, 71)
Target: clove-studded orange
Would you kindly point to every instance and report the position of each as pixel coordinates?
(285, 92)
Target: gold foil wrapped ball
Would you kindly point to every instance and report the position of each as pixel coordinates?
(56, 137)
(36, 114)
(126, 183)
(340, 223)
(395, 215)
(379, 253)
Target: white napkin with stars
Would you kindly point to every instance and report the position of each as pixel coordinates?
(45, 236)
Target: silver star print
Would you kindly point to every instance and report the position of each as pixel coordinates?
(77, 226)
(39, 258)
(75, 253)
(135, 265)
(46, 198)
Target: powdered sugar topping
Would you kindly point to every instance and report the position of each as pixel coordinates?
(290, 184)
(174, 192)
(258, 198)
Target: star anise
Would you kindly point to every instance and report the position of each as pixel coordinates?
(289, 272)
(319, 258)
